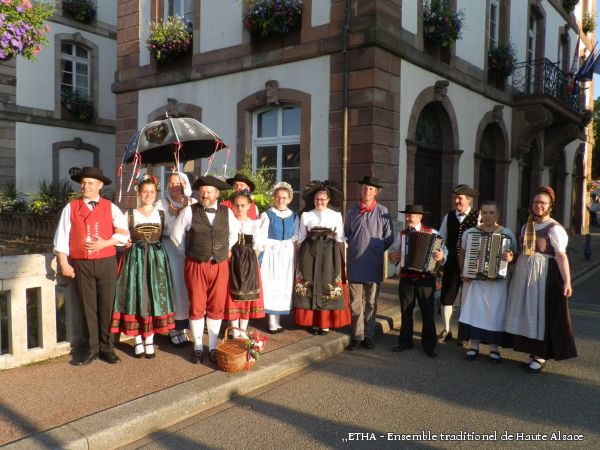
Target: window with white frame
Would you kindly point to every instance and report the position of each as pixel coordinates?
(182, 8)
(75, 69)
(494, 22)
(276, 145)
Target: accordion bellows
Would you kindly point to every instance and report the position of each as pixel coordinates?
(420, 249)
(483, 256)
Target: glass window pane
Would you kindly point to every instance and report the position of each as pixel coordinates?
(291, 121)
(270, 175)
(266, 157)
(291, 176)
(66, 48)
(67, 65)
(82, 69)
(267, 124)
(290, 155)
(67, 78)
(81, 81)
(81, 52)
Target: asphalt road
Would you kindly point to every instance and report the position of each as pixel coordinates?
(371, 399)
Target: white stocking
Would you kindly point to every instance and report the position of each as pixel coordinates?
(446, 315)
(273, 321)
(214, 326)
(236, 324)
(197, 327)
(244, 324)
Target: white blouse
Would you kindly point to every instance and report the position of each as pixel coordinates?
(327, 218)
(253, 228)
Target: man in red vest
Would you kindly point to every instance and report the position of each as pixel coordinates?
(84, 243)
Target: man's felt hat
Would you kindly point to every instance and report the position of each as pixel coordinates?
(371, 181)
(91, 172)
(465, 189)
(243, 179)
(414, 209)
(209, 180)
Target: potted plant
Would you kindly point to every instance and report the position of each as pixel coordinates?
(22, 28)
(51, 197)
(169, 39)
(80, 10)
(588, 24)
(441, 23)
(570, 5)
(501, 59)
(77, 104)
(270, 17)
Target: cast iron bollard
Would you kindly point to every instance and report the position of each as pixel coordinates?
(587, 251)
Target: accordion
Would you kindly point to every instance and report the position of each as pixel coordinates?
(419, 248)
(483, 256)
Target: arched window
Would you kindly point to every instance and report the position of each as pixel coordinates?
(75, 69)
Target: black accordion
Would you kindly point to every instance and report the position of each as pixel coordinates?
(483, 256)
(419, 249)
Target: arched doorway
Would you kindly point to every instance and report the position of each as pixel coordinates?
(428, 163)
(558, 175)
(531, 169)
(487, 164)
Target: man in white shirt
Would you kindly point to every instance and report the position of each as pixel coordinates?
(88, 231)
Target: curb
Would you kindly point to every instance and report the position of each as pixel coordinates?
(126, 423)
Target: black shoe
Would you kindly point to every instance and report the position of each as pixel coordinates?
(471, 354)
(368, 344)
(444, 336)
(431, 353)
(213, 356)
(110, 358)
(353, 345)
(401, 347)
(197, 357)
(323, 332)
(273, 331)
(86, 359)
(314, 330)
(280, 330)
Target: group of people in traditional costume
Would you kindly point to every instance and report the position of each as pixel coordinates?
(193, 263)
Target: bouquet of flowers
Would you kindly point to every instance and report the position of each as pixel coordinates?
(265, 17)
(255, 345)
(22, 28)
(169, 39)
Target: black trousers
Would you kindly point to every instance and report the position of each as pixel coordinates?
(451, 282)
(421, 291)
(95, 280)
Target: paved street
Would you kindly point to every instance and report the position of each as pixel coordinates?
(380, 392)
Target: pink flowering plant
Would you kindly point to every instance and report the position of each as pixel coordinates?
(255, 345)
(169, 38)
(267, 17)
(22, 28)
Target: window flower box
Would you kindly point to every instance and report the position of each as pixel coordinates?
(169, 39)
(80, 10)
(501, 59)
(570, 5)
(77, 104)
(22, 28)
(272, 17)
(441, 24)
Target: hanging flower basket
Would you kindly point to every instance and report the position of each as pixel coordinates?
(501, 59)
(79, 105)
(272, 17)
(570, 5)
(80, 10)
(22, 28)
(441, 24)
(169, 39)
(588, 24)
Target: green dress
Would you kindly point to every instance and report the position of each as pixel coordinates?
(144, 302)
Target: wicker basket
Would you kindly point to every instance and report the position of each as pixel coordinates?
(232, 354)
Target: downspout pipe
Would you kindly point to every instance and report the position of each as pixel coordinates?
(346, 31)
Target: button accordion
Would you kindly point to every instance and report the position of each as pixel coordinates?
(483, 256)
(419, 248)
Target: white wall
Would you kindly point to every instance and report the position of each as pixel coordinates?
(321, 12)
(518, 28)
(36, 81)
(106, 11)
(471, 47)
(34, 153)
(409, 16)
(553, 23)
(220, 24)
(218, 98)
(145, 18)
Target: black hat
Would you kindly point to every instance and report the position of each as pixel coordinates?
(465, 189)
(91, 172)
(243, 179)
(335, 193)
(371, 181)
(414, 209)
(209, 180)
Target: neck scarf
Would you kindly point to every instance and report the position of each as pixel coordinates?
(365, 209)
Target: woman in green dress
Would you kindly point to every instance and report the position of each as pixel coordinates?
(144, 293)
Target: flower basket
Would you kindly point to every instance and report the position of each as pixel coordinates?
(570, 5)
(501, 59)
(169, 39)
(235, 355)
(441, 24)
(588, 24)
(22, 28)
(272, 17)
(80, 10)
(78, 105)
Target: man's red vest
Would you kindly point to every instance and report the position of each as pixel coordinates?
(86, 223)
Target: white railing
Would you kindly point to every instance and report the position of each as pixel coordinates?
(40, 316)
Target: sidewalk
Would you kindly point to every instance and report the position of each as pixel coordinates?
(56, 405)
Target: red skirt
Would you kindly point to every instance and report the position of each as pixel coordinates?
(239, 309)
(325, 319)
(132, 325)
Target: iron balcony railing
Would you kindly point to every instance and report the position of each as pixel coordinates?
(542, 76)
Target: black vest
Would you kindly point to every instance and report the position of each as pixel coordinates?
(456, 230)
(204, 241)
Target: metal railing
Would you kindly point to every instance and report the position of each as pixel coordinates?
(542, 76)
